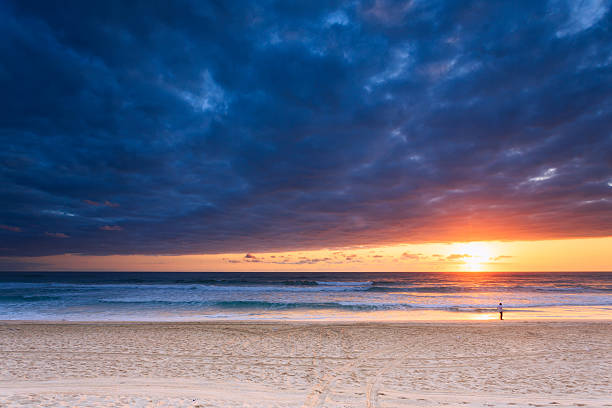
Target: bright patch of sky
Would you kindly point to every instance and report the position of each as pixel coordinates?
(583, 14)
(59, 213)
(210, 96)
(548, 174)
(337, 17)
(401, 59)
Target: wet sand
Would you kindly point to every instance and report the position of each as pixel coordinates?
(245, 364)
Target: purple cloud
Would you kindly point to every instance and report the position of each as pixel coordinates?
(57, 235)
(10, 228)
(111, 228)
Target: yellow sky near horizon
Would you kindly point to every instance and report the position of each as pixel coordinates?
(586, 254)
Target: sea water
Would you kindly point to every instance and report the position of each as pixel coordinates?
(176, 296)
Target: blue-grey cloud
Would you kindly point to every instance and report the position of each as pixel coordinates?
(203, 127)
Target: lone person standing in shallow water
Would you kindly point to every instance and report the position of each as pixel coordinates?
(500, 309)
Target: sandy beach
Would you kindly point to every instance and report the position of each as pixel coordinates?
(484, 364)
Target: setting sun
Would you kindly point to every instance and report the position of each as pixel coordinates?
(475, 255)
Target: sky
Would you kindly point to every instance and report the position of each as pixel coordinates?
(306, 135)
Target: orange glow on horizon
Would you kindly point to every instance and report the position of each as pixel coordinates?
(588, 254)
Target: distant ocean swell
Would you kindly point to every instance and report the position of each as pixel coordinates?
(33, 298)
(305, 286)
(186, 296)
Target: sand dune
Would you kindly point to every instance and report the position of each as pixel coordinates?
(486, 364)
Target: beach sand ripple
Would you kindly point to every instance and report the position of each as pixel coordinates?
(240, 364)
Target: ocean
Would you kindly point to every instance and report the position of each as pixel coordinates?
(178, 296)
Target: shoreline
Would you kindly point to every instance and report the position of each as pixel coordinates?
(459, 322)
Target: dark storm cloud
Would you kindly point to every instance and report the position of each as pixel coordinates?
(200, 127)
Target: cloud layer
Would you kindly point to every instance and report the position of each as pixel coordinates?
(207, 127)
